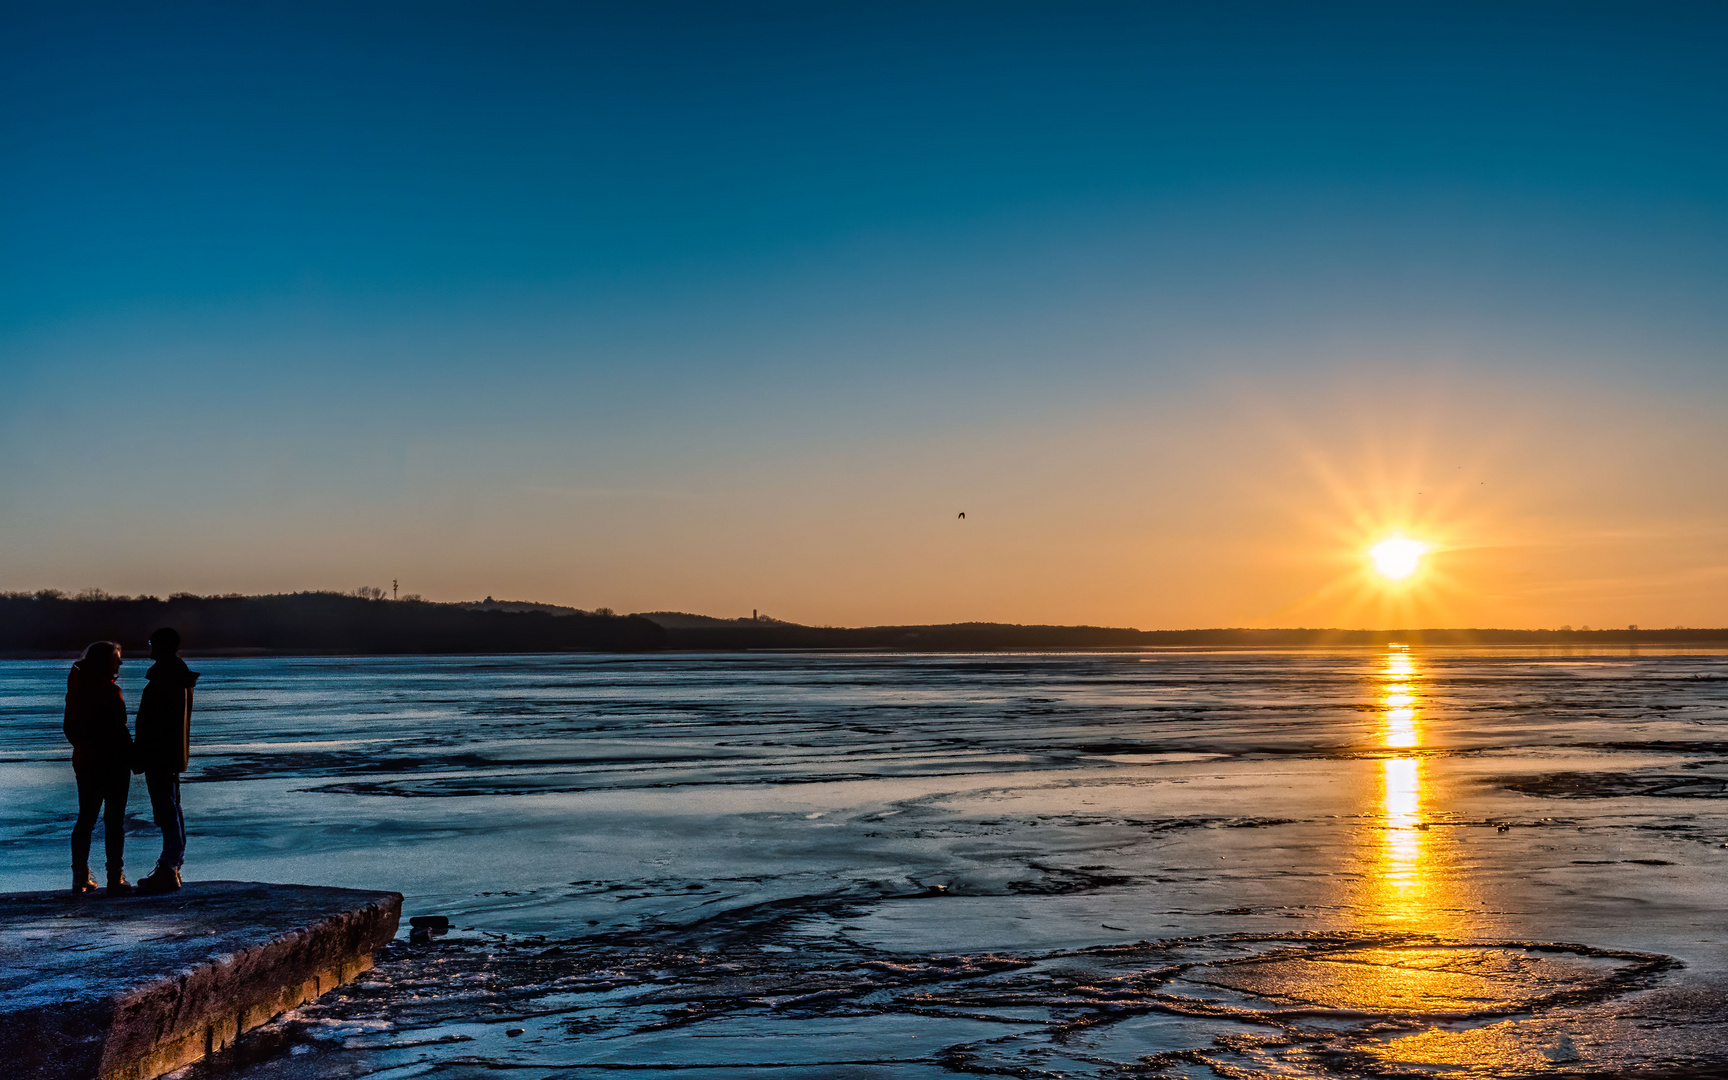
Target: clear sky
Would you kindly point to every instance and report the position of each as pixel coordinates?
(714, 307)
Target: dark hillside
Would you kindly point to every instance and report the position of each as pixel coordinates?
(310, 623)
(314, 622)
(969, 637)
(955, 637)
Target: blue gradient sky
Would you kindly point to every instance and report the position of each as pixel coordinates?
(720, 307)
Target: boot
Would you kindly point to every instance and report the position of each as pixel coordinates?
(82, 881)
(118, 885)
(163, 879)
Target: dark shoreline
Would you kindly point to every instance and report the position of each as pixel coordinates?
(48, 626)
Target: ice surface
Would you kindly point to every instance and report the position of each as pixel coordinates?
(1184, 863)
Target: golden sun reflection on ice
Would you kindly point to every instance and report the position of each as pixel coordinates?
(1403, 881)
(1403, 864)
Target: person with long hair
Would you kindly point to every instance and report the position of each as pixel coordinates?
(95, 725)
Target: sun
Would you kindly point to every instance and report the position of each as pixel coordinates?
(1397, 557)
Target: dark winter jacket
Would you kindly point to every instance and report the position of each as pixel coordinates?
(96, 722)
(165, 718)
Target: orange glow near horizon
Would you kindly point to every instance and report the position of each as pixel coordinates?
(1380, 523)
(1270, 528)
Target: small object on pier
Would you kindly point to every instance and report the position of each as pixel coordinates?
(427, 927)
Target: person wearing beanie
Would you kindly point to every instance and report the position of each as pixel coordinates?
(164, 747)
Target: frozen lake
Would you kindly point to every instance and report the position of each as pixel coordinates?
(1304, 863)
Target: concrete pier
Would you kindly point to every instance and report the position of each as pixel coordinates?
(133, 987)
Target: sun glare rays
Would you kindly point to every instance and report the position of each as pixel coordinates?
(1397, 557)
(1388, 525)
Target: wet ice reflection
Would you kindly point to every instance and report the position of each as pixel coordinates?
(917, 866)
(1401, 864)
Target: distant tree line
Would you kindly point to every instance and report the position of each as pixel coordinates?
(363, 622)
(968, 637)
(307, 622)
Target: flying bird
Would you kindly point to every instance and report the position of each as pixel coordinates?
(962, 515)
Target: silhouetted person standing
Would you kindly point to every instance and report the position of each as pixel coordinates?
(95, 725)
(163, 751)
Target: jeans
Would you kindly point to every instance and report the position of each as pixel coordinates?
(98, 788)
(165, 805)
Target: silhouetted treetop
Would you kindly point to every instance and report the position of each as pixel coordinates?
(308, 622)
